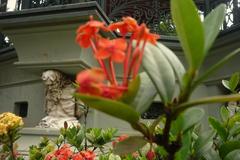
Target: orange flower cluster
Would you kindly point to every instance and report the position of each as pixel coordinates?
(102, 81)
(65, 153)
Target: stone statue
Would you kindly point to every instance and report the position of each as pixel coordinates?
(60, 105)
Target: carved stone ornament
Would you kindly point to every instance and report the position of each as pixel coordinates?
(60, 105)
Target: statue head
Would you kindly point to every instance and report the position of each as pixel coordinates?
(52, 77)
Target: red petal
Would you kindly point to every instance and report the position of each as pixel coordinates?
(120, 44)
(104, 43)
(118, 56)
(92, 75)
(102, 54)
(83, 40)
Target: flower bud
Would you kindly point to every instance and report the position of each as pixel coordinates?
(151, 155)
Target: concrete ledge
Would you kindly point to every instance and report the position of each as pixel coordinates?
(52, 15)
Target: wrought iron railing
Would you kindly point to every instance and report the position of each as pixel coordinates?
(155, 13)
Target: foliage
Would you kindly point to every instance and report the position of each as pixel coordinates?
(74, 142)
(221, 142)
(162, 68)
(41, 150)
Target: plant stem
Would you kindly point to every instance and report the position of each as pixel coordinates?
(213, 68)
(11, 146)
(187, 90)
(126, 63)
(100, 62)
(113, 74)
(214, 99)
(85, 126)
(139, 60)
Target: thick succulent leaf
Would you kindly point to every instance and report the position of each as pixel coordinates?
(224, 113)
(129, 145)
(187, 120)
(212, 23)
(160, 72)
(111, 107)
(133, 87)
(228, 147)
(234, 155)
(145, 95)
(190, 30)
(216, 125)
(176, 64)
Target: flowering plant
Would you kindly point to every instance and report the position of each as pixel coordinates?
(10, 125)
(163, 75)
(73, 143)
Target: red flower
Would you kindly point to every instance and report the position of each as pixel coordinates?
(64, 153)
(77, 156)
(87, 31)
(127, 25)
(113, 92)
(142, 33)
(92, 82)
(49, 157)
(115, 49)
(88, 155)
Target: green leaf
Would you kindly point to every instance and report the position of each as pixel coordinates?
(111, 107)
(212, 23)
(129, 145)
(224, 114)
(235, 118)
(234, 155)
(228, 147)
(234, 131)
(145, 95)
(184, 152)
(204, 143)
(132, 91)
(160, 72)
(221, 131)
(187, 120)
(215, 67)
(176, 64)
(225, 83)
(207, 100)
(233, 82)
(114, 157)
(211, 155)
(190, 31)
